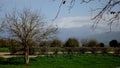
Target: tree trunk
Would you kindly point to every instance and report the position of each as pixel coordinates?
(26, 57)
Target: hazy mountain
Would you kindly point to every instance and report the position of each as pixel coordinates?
(81, 33)
(106, 37)
(65, 33)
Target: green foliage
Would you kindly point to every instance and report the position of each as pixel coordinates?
(2, 60)
(12, 61)
(72, 42)
(4, 49)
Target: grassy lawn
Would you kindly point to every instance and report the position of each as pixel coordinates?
(4, 50)
(66, 61)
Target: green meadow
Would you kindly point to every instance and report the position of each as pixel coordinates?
(63, 61)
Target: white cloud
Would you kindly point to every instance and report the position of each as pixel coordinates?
(72, 22)
(81, 21)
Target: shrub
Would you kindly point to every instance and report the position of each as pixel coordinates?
(118, 44)
(70, 45)
(93, 43)
(101, 45)
(89, 43)
(2, 43)
(45, 43)
(2, 60)
(113, 43)
(56, 43)
(72, 42)
(44, 47)
(84, 42)
(44, 50)
(14, 46)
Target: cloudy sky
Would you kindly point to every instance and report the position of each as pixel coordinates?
(70, 23)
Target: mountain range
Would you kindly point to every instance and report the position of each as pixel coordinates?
(87, 33)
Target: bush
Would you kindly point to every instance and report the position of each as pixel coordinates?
(84, 42)
(45, 43)
(72, 42)
(44, 47)
(118, 44)
(101, 45)
(14, 48)
(113, 43)
(3, 43)
(2, 60)
(56, 43)
(44, 50)
(91, 43)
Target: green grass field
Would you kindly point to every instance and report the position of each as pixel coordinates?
(64, 61)
(4, 50)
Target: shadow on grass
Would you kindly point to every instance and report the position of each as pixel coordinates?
(12, 61)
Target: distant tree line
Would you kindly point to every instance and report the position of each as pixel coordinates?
(56, 46)
(71, 42)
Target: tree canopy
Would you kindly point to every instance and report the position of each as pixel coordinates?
(27, 26)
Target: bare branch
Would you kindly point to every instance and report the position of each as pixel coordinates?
(26, 27)
(107, 9)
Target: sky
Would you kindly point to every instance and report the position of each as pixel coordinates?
(77, 20)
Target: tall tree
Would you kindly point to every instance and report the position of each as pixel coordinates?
(27, 26)
(2, 25)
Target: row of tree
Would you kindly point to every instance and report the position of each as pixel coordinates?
(71, 42)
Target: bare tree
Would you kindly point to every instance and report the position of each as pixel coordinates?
(2, 25)
(27, 26)
(106, 9)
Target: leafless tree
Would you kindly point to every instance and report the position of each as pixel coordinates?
(2, 25)
(27, 26)
(106, 9)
